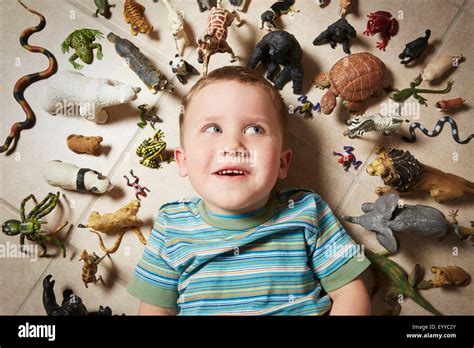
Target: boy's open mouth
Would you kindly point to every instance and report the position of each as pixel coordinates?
(231, 172)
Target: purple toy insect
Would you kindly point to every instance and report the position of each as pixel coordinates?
(139, 190)
(347, 158)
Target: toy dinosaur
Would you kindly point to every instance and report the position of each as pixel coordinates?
(388, 217)
(414, 49)
(139, 190)
(116, 223)
(437, 131)
(103, 8)
(25, 81)
(340, 31)
(215, 38)
(30, 225)
(402, 95)
(71, 305)
(89, 269)
(82, 42)
(400, 282)
(385, 124)
(347, 158)
(403, 173)
(133, 15)
(381, 22)
(449, 277)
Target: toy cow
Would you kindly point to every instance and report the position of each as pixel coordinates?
(70, 177)
(74, 94)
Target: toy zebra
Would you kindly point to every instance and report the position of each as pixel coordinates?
(385, 124)
(437, 130)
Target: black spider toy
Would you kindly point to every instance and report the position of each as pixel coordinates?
(340, 31)
(280, 48)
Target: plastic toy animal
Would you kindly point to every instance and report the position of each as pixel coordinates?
(30, 225)
(444, 105)
(461, 231)
(347, 159)
(402, 95)
(133, 15)
(280, 48)
(388, 217)
(204, 5)
(307, 106)
(182, 68)
(437, 131)
(116, 223)
(82, 144)
(82, 42)
(24, 82)
(275, 11)
(89, 269)
(415, 48)
(70, 177)
(403, 173)
(139, 190)
(214, 40)
(238, 4)
(152, 151)
(71, 93)
(401, 283)
(449, 277)
(344, 7)
(383, 23)
(340, 31)
(71, 305)
(176, 24)
(385, 124)
(354, 78)
(103, 8)
(140, 64)
(440, 65)
(147, 115)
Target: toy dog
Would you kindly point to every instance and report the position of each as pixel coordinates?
(71, 177)
(276, 10)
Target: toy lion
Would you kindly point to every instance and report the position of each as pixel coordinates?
(402, 173)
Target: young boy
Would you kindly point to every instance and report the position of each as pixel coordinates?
(244, 248)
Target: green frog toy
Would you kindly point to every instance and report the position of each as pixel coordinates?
(82, 42)
(103, 8)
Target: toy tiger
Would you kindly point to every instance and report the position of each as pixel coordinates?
(133, 14)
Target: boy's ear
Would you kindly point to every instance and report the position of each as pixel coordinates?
(180, 157)
(285, 161)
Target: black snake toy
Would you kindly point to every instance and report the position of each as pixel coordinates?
(437, 130)
(23, 83)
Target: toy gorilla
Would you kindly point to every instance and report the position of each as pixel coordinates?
(280, 48)
(340, 31)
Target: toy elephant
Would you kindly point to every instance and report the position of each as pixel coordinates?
(73, 94)
(70, 177)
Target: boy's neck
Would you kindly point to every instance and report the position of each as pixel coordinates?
(212, 209)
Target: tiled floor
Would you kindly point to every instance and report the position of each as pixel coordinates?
(313, 140)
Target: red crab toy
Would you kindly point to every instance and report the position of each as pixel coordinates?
(383, 23)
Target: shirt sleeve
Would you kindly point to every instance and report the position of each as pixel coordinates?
(154, 280)
(334, 256)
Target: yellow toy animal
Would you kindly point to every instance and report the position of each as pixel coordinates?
(133, 14)
(83, 144)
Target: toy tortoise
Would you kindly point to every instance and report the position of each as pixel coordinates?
(353, 78)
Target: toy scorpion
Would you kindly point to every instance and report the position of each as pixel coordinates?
(152, 151)
(139, 190)
(386, 124)
(404, 94)
(347, 158)
(30, 225)
(307, 106)
(24, 82)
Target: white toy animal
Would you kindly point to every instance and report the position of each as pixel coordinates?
(71, 177)
(176, 24)
(71, 93)
(440, 65)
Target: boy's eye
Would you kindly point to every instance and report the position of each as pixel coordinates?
(213, 129)
(254, 130)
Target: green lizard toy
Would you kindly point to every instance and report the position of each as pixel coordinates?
(404, 94)
(400, 282)
(82, 42)
(103, 8)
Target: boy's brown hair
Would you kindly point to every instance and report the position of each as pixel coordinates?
(242, 75)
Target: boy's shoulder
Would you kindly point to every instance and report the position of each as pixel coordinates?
(297, 194)
(188, 203)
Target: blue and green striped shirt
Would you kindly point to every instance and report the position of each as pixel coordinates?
(282, 259)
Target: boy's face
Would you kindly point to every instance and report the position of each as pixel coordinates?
(231, 125)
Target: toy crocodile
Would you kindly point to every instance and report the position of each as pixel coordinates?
(402, 95)
(81, 41)
(400, 282)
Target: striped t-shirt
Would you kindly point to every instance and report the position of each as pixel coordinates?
(282, 259)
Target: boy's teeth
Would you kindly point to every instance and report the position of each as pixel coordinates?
(225, 172)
